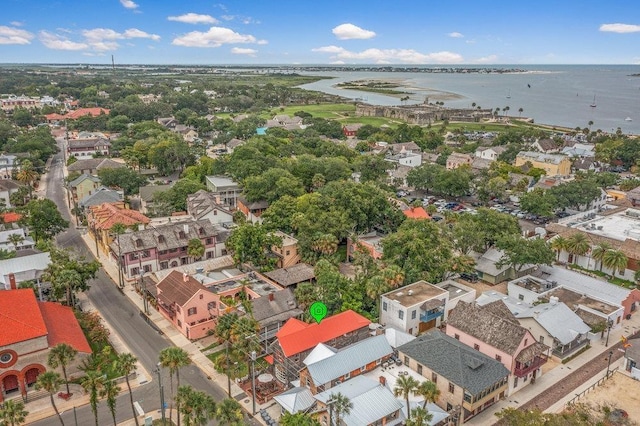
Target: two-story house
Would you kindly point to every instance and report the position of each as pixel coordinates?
(83, 185)
(204, 205)
(370, 243)
(288, 254)
(7, 165)
(91, 166)
(101, 218)
(490, 153)
(296, 339)
(552, 164)
(225, 190)
(21, 242)
(456, 160)
(466, 378)
(88, 148)
(493, 330)
(251, 209)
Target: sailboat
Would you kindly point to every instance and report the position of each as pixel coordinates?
(509, 94)
(593, 104)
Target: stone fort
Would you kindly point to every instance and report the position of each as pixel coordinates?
(422, 114)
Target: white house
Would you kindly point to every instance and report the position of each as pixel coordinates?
(415, 308)
(490, 153)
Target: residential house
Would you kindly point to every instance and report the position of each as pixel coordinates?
(293, 275)
(233, 144)
(163, 247)
(167, 122)
(326, 367)
(295, 400)
(101, 218)
(12, 102)
(288, 253)
(465, 377)
(632, 357)
(493, 330)
(488, 270)
(587, 164)
(28, 266)
(545, 145)
(373, 404)
(634, 196)
(456, 160)
(7, 244)
(552, 164)
(147, 193)
(370, 243)
(83, 112)
(405, 147)
(414, 308)
(296, 339)
(224, 189)
(150, 98)
(7, 187)
(351, 130)
(581, 150)
(490, 153)
(204, 205)
(409, 159)
(458, 292)
(83, 185)
(7, 165)
(188, 133)
(252, 209)
(29, 330)
(272, 312)
(83, 149)
(416, 213)
(92, 165)
(100, 196)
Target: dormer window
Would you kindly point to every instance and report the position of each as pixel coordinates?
(139, 242)
(161, 239)
(201, 231)
(181, 235)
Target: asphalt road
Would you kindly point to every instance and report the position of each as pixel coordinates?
(143, 340)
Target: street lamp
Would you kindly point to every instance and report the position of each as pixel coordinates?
(609, 325)
(253, 380)
(158, 371)
(609, 362)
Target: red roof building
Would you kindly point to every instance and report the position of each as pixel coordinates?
(101, 218)
(29, 330)
(10, 217)
(73, 115)
(296, 339)
(416, 213)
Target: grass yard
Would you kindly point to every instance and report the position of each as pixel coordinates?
(329, 111)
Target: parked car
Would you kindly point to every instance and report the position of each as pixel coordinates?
(469, 276)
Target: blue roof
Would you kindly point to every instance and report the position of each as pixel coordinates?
(261, 131)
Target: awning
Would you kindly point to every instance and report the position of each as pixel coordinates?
(269, 359)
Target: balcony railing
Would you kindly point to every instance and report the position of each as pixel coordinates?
(521, 371)
(430, 315)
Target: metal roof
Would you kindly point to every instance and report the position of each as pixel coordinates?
(559, 321)
(295, 399)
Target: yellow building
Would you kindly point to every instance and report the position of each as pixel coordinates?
(83, 185)
(552, 164)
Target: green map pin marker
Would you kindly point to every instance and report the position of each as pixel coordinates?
(318, 311)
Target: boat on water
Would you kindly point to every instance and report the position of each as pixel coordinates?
(593, 104)
(628, 119)
(509, 94)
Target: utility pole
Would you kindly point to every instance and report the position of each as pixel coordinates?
(226, 349)
(609, 363)
(161, 393)
(253, 380)
(609, 325)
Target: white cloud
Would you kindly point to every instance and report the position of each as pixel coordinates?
(136, 33)
(490, 59)
(194, 18)
(620, 28)
(16, 23)
(129, 4)
(456, 34)
(337, 63)
(383, 56)
(350, 31)
(228, 17)
(261, 42)
(244, 51)
(57, 42)
(215, 37)
(9, 35)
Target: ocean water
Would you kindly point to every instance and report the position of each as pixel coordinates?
(551, 94)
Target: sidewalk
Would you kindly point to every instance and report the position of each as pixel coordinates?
(552, 377)
(194, 349)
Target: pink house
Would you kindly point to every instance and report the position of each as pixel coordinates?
(370, 243)
(493, 330)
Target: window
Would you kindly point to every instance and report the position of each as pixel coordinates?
(132, 256)
(541, 339)
(135, 271)
(515, 382)
(192, 311)
(287, 253)
(434, 377)
(161, 239)
(201, 296)
(209, 241)
(146, 268)
(452, 388)
(406, 360)
(419, 369)
(211, 305)
(521, 296)
(384, 306)
(498, 358)
(413, 314)
(179, 323)
(181, 235)
(215, 212)
(138, 242)
(449, 407)
(201, 231)
(456, 336)
(401, 314)
(476, 346)
(526, 341)
(164, 265)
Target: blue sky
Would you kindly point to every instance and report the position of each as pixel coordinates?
(320, 32)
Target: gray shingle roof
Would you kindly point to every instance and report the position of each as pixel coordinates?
(347, 359)
(203, 202)
(101, 195)
(295, 274)
(82, 178)
(455, 361)
(281, 308)
(94, 163)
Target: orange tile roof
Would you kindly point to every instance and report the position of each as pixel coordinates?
(94, 112)
(54, 116)
(63, 327)
(105, 215)
(10, 217)
(299, 336)
(20, 317)
(416, 213)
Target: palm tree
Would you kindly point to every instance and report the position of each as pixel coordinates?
(27, 175)
(578, 245)
(599, 252)
(375, 287)
(195, 248)
(590, 123)
(15, 239)
(93, 383)
(125, 364)
(50, 381)
(111, 391)
(429, 391)
(393, 276)
(184, 403)
(615, 260)
(404, 386)
(62, 355)
(325, 244)
(174, 358)
(520, 110)
(421, 417)
(558, 244)
(12, 413)
(229, 412)
(298, 419)
(196, 407)
(340, 405)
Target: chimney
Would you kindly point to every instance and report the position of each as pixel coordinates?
(383, 381)
(12, 281)
(185, 277)
(186, 228)
(270, 297)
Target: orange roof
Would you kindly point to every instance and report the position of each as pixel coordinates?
(269, 359)
(105, 215)
(299, 336)
(63, 327)
(416, 213)
(54, 116)
(20, 317)
(94, 112)
(10, 217)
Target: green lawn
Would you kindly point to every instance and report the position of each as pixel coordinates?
(332, 111)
